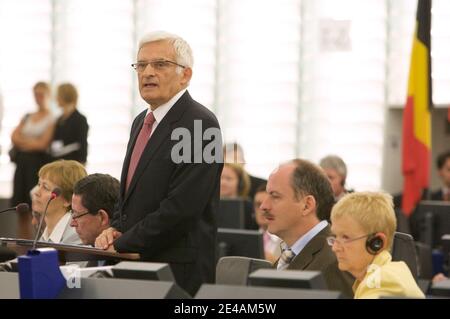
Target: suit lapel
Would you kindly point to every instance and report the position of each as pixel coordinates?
(162, 133)
(306, 256)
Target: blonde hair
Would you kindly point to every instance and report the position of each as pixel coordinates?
(373, 211)
(42, 85)
(68, 93)
(243, 178)
(65, 174)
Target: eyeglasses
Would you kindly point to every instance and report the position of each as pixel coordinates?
(331, 240)
(74, 217)
(157, 65)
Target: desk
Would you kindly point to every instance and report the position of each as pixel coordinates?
(67, 252)
(9, 285)
(102, 288)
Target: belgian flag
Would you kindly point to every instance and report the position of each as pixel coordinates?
(416, 148)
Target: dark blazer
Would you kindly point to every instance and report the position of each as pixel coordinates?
(317, 255)
(255, 182)
(437, 195)
(167, 214)
(74, 129)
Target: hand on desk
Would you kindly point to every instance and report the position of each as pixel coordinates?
(106, 238)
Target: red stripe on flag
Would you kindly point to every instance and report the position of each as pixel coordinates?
(416, 160)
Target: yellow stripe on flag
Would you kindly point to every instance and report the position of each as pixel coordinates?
(418, 89)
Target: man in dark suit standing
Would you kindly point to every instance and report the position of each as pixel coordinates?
(443, 166)
(297, 209)
(171, 172)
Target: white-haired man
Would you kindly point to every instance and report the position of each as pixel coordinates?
(166, 207)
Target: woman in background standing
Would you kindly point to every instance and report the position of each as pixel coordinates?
(70, 137)
(31, 139)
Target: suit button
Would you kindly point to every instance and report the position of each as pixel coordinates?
(124, 217)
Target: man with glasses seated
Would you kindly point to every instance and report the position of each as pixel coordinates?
(297, 208)
(93, 202)
(363, 226)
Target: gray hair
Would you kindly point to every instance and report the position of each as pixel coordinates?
(336, 163)
(182, 49)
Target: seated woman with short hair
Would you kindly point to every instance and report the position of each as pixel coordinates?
(363, 226)
(62, 174)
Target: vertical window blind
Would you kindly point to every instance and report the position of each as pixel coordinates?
(286, 78)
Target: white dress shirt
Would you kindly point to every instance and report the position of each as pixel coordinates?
(301, 243)
(163, 109)
(62, 233)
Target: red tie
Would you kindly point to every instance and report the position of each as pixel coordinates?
(141, 141)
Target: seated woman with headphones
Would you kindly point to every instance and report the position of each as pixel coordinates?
(363, 226)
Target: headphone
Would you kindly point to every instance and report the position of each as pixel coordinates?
(374, 244)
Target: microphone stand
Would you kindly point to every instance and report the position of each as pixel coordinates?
(39, 273)
(40, 225)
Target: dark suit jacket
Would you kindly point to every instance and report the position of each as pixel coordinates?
(317, 255)
(437, 195)
(255, 182)
(249, 211)
(167, 214)
(74, 129)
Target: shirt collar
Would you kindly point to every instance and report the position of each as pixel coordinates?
(58, 231)
(380, 260)
(298, 246)
(163, 109)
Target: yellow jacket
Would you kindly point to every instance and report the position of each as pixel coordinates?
(387, 278)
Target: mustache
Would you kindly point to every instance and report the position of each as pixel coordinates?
(266, 214)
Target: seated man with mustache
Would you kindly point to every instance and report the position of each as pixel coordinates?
(297, 209)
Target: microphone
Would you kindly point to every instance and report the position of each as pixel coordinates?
(21, 208)
(55, 193)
